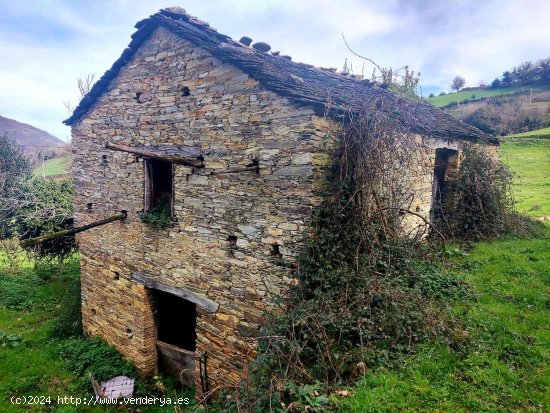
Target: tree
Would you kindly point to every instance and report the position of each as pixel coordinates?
(458, 83)
(30, 206)
(47, 208)
(495, 84)
(15, 169)
(84, 86)
(507, 78)
(526, 73)
(543, 70)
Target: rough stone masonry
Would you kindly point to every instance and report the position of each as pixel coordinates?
(234, 121)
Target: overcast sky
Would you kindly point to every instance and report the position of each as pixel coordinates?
(46, 45)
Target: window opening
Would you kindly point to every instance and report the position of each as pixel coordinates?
(158, 185)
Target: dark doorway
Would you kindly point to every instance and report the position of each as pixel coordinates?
(176, 320)
(158, 184)
(445, 169)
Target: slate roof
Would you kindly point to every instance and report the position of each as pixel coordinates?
(301, 83)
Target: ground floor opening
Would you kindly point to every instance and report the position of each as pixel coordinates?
(175, 322)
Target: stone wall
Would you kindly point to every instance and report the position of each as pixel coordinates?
(234, 121)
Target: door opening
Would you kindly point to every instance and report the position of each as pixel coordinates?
(445, 170)
(176, 320)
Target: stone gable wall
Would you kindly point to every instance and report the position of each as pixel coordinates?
(234, 121)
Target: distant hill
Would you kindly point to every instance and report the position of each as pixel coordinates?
(33, 140)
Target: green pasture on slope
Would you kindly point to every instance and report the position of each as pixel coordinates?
(444, 100)
(55, 166)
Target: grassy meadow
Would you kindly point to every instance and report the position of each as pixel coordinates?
(440, 101)
(34, 368)
(529, 159)
(504, 362)
(55, 166)
(543, 133)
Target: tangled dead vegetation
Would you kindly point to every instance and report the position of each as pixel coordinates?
(480, 204)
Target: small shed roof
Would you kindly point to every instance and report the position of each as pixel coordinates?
(303, 84)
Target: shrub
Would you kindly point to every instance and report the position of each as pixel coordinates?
(19, 291)
(48, 208)
(93, 356)
(85, 356)
(504, 115)
(480, 204)
(159, 216)
(361, 297)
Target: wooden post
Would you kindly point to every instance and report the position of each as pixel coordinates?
(72, 231)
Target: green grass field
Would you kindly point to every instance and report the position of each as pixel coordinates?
(504, 364)
(56, 166)
(529, 159)
(543, 133)
(440, 101)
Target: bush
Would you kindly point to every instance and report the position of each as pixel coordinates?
(480, 204)
(20, 291)
(503, 116)
(159, 216)
(85, 356)
(48, 208)
(93, 356)
(361, 298)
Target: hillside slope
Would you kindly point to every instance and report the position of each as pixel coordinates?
(501, 111)
(32, 139)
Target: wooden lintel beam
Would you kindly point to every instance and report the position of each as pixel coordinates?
(181, 292)
(180, 159)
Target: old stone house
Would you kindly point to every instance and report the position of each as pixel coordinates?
(232, 137)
